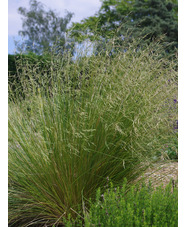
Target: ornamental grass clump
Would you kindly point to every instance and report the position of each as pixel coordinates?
(81, 122)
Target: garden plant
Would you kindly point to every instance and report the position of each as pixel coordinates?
(102, 116)
(139, 206)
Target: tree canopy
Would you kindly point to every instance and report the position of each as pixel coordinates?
(149, 19)
(42, 28)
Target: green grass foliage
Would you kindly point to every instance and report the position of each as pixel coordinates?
(97, 117)
(140, 206)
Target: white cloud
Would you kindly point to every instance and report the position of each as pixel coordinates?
(81, 8)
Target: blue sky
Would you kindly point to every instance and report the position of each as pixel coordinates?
(80, 8)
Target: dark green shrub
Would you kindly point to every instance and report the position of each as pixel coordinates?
(11, 64)
(31, 58)
(19, 68)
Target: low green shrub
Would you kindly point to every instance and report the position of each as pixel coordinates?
(139, 206)
(66, 137)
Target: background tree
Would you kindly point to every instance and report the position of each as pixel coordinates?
(42, 28)
(151, 19)
(148, 19)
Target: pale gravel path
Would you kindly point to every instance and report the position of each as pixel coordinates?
(161, 173)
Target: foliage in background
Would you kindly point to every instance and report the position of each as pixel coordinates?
(29, 63)
(153, 18)
(138, 206)
(175, 7)
(98, 117)
(169, 150)
(42, 29)
(148, 19)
